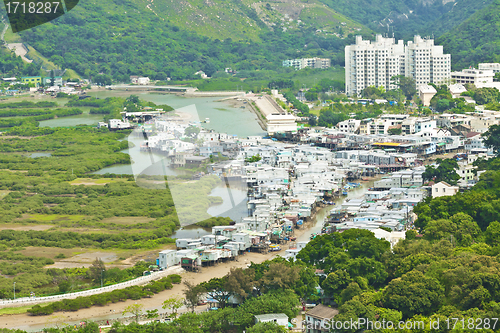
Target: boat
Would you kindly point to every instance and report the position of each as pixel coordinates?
(344, 193)
(207, 120)
(274, 247)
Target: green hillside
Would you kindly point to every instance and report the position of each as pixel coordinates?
(408, 17)
(475, 40)
(163, 39)
(247, 19)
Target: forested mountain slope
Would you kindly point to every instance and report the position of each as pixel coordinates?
(246, 19)
(164, 39)
(408, 17)
(475, 40)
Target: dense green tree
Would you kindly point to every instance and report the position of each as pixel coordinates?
(414, 293)
(486, 95)
(394, 131)
(268, 327)
(135, 310)
(446, 171)
(335, 283)
(279, 276)
(97, 271)
(406, 84)
(313, 120)
(348, 293)
(216, 287)
(372, 92)
(173, 304)
(192, 294)
(240, 282)
(492, 234)
(192, 132)
(277, 301)
(327, 118)
(491, 138)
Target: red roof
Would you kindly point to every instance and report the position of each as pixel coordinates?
(471, 134)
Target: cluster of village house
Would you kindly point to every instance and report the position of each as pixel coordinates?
(293, 177)
(50, 84)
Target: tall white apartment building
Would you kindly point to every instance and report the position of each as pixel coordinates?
(374, 63)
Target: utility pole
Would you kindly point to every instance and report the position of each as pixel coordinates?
(14, 290)
(101, 276)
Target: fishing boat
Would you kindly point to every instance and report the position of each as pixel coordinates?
(274, 247)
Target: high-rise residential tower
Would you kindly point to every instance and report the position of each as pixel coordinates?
(375, 63)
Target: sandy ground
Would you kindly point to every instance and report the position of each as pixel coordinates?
(110, 311)
(92, 256)
(183, 115)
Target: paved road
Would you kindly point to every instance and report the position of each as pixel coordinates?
(138, 281)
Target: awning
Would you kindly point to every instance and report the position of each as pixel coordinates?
(389, 144)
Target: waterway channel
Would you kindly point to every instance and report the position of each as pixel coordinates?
(323, 213)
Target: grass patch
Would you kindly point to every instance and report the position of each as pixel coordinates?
(43, 98)
(50, 252)
(11, 37)
(17, 310)
(71, 74)
(3, 193)
(127, 219)
(24, 226)
(54, 217)
(39, 58)
(100, 181)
